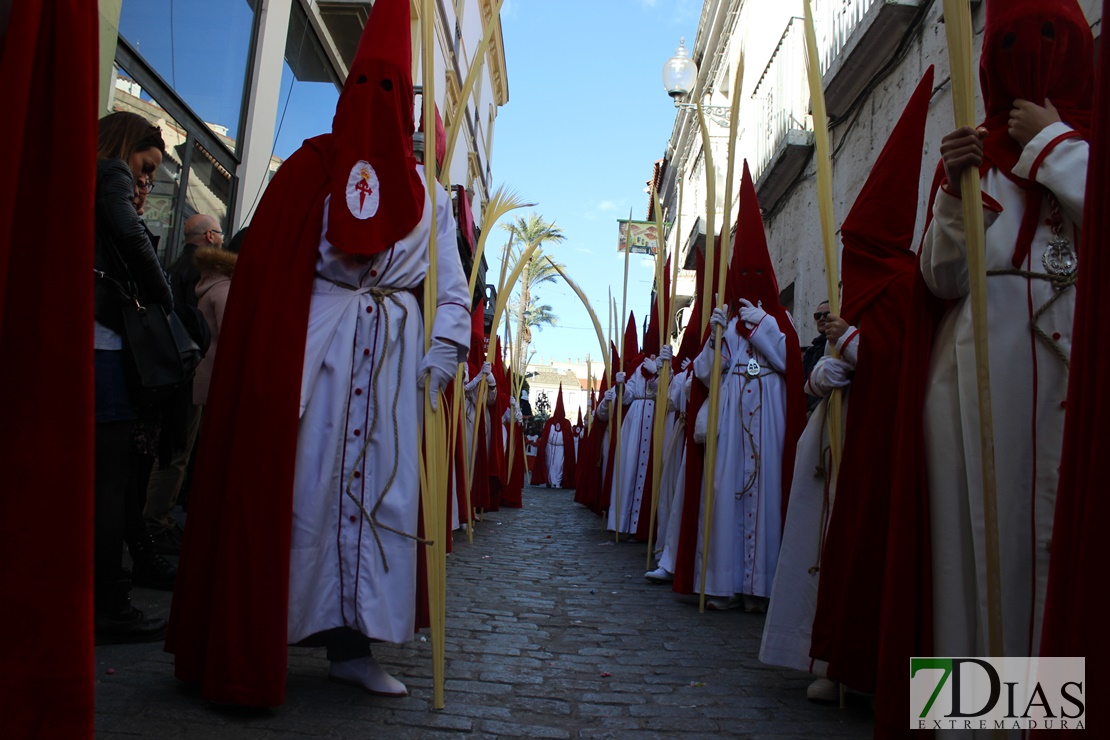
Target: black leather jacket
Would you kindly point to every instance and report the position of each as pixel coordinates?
(124, 251)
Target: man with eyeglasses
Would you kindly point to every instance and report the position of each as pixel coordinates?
(165, 483)
(816, 350)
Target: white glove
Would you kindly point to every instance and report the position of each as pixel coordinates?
(829, 373)
(719, 317)
(471, 385)
(487, 370)
(437, 369)
(837, 372)
(519, 417)
(751, 315)
(685, 363)
(620, 379)
(610, 395)
(666, 354)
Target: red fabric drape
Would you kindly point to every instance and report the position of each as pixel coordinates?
(48, 74)
(1073, 621)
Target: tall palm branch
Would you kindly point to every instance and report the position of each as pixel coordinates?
(528, 230)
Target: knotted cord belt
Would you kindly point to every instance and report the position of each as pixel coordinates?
(1060, 283)
(380, 296)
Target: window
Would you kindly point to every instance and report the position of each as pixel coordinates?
(309, 88)
(200, 48)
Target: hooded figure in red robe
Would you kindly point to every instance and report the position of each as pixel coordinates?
(872, 596)
(300, 529)
(761, 414)
(1037, 74)
(555, 470)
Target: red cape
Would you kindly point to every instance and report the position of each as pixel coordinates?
(228, 620)
(1074, 614)
(539, 468)
(48, 61)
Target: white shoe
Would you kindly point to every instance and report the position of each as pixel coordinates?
(367, 674)
(718, 604)
(659, 575)
(823, 690)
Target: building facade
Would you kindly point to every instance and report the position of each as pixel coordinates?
(872, 55)
(237, 85)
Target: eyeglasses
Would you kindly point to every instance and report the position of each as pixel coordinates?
(821, 315)
(144, 185)
(214, 231)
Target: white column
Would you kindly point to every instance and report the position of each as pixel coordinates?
(262, 105)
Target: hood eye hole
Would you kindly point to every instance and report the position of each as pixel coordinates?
(361, 80)
(1048, 31)
(387, 85)
(1008, 40)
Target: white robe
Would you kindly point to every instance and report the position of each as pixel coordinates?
(338, 576)
(788, 629)
(630, 480)
(555, 454)
(673, 481)
(747, 505)
(1028, 388)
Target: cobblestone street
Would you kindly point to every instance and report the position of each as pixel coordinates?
(551, 632)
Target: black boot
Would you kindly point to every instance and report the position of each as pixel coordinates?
(117, 622)
(148, 568)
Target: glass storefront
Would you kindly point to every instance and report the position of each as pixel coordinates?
(309, 88)
(201, 48)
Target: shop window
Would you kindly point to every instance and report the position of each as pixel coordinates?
(309, 88)
(201, 49)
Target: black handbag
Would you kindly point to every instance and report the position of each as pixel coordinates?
(163, 354)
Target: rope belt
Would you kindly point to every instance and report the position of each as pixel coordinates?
(380, 296)
(1060, 283)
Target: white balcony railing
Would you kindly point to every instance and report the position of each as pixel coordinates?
(834, 21)
(782, 95)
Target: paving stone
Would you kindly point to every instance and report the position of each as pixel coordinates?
(540, 606)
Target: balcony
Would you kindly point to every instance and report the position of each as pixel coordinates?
(855, 39)
(782, 95)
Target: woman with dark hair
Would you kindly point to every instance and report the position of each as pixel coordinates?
(129, 151)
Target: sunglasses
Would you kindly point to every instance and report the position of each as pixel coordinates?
(821, 315)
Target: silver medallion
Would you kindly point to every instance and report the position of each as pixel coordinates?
(753, 368)
(1059, 259)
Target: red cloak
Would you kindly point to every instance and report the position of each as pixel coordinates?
(1073, 620)
(539, 468)
(873, 606)
(48, 64)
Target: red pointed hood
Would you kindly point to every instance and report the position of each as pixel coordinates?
(478, 343)
(662, 298)
(751, 274)
(1034, 49)
(878, 232)
(441, 138)
(630, 352)
(465, 218)
(377, 197)
(560, 412)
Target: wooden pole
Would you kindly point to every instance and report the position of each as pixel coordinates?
(825, 210)
(957, 26)
(434, 500)
(620, 388)
(722, 273)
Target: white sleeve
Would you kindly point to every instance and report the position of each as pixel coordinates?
(1057, 159)
(452, 321)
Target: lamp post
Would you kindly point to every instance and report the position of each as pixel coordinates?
(680, 76)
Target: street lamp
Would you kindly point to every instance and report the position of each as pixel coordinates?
(680, 75)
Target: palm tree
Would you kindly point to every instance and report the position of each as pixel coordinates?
(526, 231)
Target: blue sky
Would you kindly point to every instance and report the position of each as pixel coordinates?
(586, 119)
